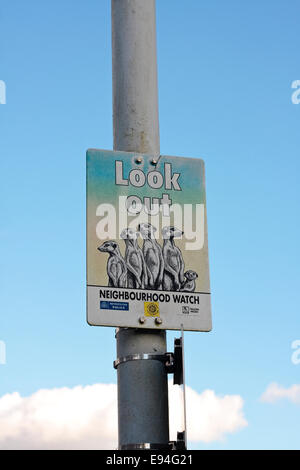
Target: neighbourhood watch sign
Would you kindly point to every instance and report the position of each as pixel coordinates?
(147, 253)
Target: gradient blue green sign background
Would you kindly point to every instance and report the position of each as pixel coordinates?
(101, 189)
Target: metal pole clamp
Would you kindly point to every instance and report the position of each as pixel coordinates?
(166, 359)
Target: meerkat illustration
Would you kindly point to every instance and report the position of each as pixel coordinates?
(153, 256)
(137, 277)
(174, 264)
(189, 284)
(116, 267)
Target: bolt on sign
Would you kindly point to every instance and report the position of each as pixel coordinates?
(147, 254)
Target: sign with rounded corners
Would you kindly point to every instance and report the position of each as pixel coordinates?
(147, 251)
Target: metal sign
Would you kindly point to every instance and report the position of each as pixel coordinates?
(147, 254)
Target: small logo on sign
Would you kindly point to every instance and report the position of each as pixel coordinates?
(151, 309)
(105, 305)
(185, 310)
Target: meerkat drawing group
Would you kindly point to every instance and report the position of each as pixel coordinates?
(151, 267)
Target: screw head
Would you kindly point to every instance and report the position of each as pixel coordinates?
(158, 321)
(138, 160)
(142, 320)
(153, 162)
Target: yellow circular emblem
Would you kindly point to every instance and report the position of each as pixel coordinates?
(152, 309)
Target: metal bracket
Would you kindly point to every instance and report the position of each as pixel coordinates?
(180, 443)
(172, 445)
(175, 365)
(165, 358)
(147, 446)
(172, 361)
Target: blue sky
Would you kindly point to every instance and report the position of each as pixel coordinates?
(225, 75)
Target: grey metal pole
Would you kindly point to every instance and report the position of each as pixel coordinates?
(142, 384)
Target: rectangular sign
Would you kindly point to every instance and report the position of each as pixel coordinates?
(147, 253)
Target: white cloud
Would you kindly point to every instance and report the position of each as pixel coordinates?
(209, 416)
(275, 392)
(86, 417)
(81, 417)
